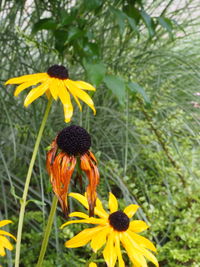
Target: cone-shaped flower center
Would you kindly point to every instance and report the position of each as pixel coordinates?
(58, 71)
(74, 140)
(119, 221)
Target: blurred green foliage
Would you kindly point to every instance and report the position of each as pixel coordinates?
(143, 58)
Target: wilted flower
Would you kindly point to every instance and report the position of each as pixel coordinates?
(71, 148)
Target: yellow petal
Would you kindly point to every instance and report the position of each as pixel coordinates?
(118, 250)
(113, 204)
(8, 234)
(80, 94)
(82, 199)
(78, 214)
(85, 86)
(133, 253)
(37, 77)
(5, 243)
(83, 237)
(5, 222)
(89, 220)
(138, 226)
(77, 101)
(65, 99)
(2, 251)
(150, 256)
(109, 253)
(99, 210)
(23, 86)
(131, 210)
(92, 264)
(100, 238)
(53, 87)
(142, 241)
(35, 93)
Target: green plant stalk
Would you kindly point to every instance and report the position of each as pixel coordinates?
(47, 231)
(23, 201)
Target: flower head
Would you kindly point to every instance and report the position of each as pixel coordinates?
(4, 242)
(71, 148)
(54, 82)
(111, 230)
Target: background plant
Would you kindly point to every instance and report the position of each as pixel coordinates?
(143, 58)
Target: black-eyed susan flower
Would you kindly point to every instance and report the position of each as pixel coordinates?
(54, 82)
(112, 230)
(71, 148)
(4, 242)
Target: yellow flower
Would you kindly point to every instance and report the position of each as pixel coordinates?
(4, 242)
(112, 229)
(56, 83)
(92, 264)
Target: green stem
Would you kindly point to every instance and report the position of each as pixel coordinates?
(23, 201)
(47, 231)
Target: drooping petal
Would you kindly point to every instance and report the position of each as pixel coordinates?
(23, 86)
(131, 210)
(4, 222)
(100, 238)
(83, 237)
(92, 173)
(65, 99)
(109, 252)
(85, 86)
(138, 226)
(6, 233)
(118, 250)
(35, 93)
(80, 94)
(62, 170)
(53, 87)
(37, 77)
(113, 204)
(142, 241)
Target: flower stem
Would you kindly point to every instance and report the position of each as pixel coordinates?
(47, 231)
(23, 201)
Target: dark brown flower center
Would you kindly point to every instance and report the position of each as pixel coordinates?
(74, 140)
(58, 71)
(119, 221)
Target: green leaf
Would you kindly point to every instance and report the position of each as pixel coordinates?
(91, 4)
(136, 88)
(148, 22)
(44, 24)
(120, 18)
(166, 24)
(117, 86)
(95, 72)
(75, 33)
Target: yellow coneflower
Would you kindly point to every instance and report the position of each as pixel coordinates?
(54, 82)
(4, 242)
(113, 228)
(71, 147)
